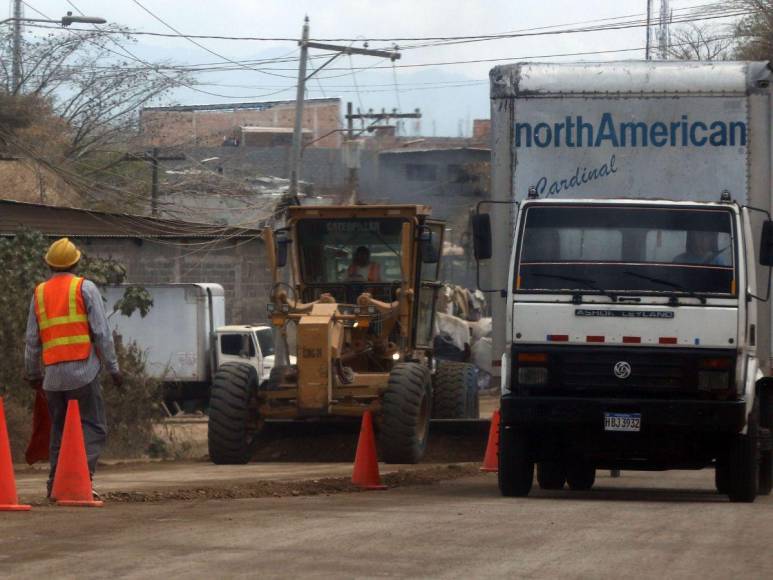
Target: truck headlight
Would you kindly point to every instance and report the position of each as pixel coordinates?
(530, 376)
(713, 380)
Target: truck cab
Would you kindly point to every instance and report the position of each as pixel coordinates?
(251, 344)
(633, 338)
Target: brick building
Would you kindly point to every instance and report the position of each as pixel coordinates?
(160, 251)
(214, 125)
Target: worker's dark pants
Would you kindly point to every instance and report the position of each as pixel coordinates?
(92, 410)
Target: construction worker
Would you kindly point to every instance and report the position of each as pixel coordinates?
(362, 269)
(67, 330)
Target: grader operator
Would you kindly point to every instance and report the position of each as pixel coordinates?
(359, 309)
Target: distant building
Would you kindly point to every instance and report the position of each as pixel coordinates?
(451, 180)
(219, 124)
(159, 251)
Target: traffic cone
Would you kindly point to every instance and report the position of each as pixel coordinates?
(9, 501)
(365, 474)
(490, 460)
(72, 483)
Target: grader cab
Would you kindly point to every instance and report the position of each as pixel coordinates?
(353, 299)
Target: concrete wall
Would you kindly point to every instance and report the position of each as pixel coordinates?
(172, 127)
(239, 265)
(433, 179)
(321, 166)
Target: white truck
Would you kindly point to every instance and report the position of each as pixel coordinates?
(629, 248)
(184, 338)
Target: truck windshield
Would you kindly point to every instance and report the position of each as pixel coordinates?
(594, 249)
(350, 251)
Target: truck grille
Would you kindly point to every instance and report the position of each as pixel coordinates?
(660, 371)
(656, 372)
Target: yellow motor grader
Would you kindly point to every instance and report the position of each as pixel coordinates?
(358, 313)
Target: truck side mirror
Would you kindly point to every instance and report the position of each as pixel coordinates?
(282, 243)
(428, 253)
(766, 244)
(481, 236)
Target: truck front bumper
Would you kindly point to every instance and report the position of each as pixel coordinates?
(656, 414)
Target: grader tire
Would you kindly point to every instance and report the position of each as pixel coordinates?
(232, 416)
(455, 389)
(406, 408)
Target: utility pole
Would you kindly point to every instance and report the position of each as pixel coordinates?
(352, 181)
(305, 44)
(300, 95)
(153, 158)
(649, 16)
(16, 66)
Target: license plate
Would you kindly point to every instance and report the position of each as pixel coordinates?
(622, 422)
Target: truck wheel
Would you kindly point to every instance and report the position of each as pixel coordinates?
(455, 387)
(516, 468)
(721, 475)
(580, 475)
(406, 409)
(766, 456)
(551, 474)
(744, 462)
(233, 417)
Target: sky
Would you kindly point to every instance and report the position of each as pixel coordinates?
(450, 96)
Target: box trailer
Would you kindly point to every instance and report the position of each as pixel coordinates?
(630, 256)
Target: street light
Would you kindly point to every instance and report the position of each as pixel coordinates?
(66, 21)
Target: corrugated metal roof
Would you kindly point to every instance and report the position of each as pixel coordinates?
(75, 222)
(432, 150)
(257, 105)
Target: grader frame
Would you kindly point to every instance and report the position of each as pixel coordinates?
(360, 345)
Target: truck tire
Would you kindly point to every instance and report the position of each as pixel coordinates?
(743, 475)
(766, 455)
(516, 468)
(580, 475)
(233, 418)
(551, 475)
(455, 390)
(406, 409)
(721, 476)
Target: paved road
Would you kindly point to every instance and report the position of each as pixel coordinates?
(641, 525)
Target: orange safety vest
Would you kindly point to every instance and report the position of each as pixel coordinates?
(63, 320)
(374, 271)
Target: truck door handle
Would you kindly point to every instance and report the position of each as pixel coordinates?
(628, 299)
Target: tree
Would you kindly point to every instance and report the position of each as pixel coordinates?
(91, 82)
(754, 32)
(699, 42)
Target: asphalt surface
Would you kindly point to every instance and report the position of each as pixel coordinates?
(651, 525)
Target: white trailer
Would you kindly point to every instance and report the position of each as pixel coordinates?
(184, 337)
(614, 175)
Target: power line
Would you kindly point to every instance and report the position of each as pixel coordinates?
(713, 11)
(196, 43)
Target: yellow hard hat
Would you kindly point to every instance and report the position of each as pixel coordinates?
(62, 254)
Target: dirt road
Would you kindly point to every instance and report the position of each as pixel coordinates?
(640, 525)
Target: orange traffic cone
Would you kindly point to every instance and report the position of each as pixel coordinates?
(490, 461)
(72, 483)
(365, 474)
(9, 501)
